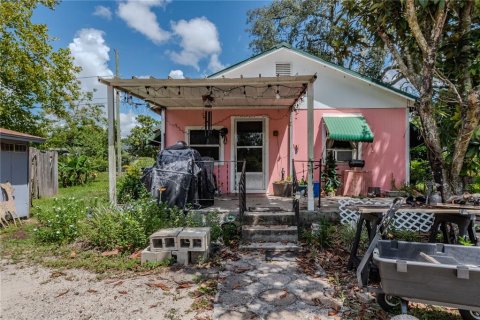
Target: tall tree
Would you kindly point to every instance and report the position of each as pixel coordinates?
(136, 143)
(320, 27)
(80, 130)
(32, 74)
(433, 45)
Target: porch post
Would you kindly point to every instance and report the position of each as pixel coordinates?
(162, 129)
(112, 177)
(310, 123)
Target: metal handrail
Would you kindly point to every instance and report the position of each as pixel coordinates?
(242, 193)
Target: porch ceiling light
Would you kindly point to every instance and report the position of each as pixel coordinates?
(208, 100)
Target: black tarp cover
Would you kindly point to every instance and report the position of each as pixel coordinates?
(185, 176)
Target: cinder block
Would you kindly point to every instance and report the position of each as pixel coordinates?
(198, 256)
(154, 256)
(165, 239)
(182, 257)
(194, 239)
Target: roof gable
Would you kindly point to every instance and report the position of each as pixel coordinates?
(337, 67)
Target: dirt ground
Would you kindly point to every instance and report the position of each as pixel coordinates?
(35, 292)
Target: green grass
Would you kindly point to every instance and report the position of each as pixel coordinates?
(96, 190)
(19, 245)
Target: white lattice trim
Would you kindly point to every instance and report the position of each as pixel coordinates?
(403, 220)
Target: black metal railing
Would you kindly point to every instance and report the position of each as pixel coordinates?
(296, 197)
(242, 193)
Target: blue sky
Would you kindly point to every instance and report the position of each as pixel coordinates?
(153, 37)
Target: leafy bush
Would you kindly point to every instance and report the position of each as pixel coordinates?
(322, 237)
(405, 235)
(475, 186)
(230, 232)
(131, 188)
(330, 177)
(75, 170)
(60, 223)
(109, 228)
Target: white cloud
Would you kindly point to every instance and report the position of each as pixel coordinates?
(215, 64)
(92, 54)
(199, 40)
(128, 121)
(176, 74)
(139, 16)
(103, 12)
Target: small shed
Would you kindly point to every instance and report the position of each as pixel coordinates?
(14, 166)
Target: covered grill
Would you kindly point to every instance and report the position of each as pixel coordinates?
(181, 177)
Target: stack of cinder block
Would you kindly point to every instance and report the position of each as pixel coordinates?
(188, 245)
(162, 243)
(194, 245)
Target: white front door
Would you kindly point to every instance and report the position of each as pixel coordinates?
(250, 145)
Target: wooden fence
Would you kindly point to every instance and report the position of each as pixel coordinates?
(43, 173)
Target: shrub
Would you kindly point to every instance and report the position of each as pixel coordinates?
(110, 228)
(60, 222)
(322, 237)
(131, 187)
(75, 170)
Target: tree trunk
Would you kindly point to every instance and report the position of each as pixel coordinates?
(430, 130)
(470, 121)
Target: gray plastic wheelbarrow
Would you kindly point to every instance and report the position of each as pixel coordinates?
(429, 273)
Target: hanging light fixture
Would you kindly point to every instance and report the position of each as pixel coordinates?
(277, 95)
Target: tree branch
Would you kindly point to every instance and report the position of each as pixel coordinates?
(449, 83)
(411, 15)
(440, 18)
(398, 58)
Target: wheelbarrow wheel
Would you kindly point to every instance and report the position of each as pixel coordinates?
(469, 315)
(388, 303)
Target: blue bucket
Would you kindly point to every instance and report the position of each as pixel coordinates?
(316, 189)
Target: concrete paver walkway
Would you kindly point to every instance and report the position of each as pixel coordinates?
(253, 288)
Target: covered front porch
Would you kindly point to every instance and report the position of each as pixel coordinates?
(229, 121)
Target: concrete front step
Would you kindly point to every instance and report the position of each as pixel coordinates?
(272, 233)
(269, 218)
(271, 246)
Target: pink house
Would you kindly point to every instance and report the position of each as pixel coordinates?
(338, 92)
(265, 121)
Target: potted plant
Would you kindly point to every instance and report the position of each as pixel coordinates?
(330, 177)
(283, 188)
(302, 186)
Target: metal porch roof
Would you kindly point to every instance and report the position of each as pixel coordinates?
(261, 92)
(351, 128)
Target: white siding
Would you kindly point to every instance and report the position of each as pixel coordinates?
(333, 88)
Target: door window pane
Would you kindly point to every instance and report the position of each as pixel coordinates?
(254, 158)
(250, 133)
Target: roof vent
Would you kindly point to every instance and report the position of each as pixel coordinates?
(283, 69)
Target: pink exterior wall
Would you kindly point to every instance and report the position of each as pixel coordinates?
(385, 157)
(178, 120)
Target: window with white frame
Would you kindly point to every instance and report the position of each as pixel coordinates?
(343, 151)
(208, 145)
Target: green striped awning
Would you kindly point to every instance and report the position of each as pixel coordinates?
(351, 128)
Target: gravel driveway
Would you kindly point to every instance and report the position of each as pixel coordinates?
(35, 292)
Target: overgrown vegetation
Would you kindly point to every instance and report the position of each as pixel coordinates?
(130, 186)
(75, 170)
(322, 236)
(330, 176)
(73, 229)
